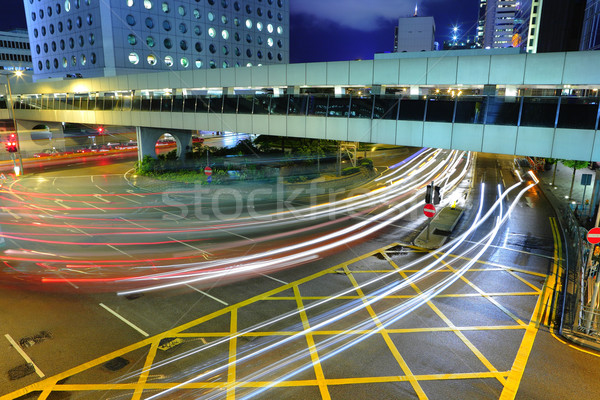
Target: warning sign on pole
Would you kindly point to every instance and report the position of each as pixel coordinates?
(429, 210)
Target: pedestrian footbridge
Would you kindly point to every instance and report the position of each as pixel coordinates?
(543, 105)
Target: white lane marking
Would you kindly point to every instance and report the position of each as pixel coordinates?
(131, 200)
(166, 212)
(15, 216)
(136, 224)
(204, 252)
(124, 320)
(24, 355)
(91, 205)
(236, 234)
(105, 191)
(120, 251)
(206, 294)
(77, 229)
(99, 197)
(135, 194)
(61, 203)
(62, 191)
(275, 279)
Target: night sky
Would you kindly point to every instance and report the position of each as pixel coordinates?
(333, 30)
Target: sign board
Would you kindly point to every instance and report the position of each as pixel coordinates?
(593, 235)
(586, 179)
(429, 211)
(209, 179)
(208, 171)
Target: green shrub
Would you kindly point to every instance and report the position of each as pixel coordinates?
(367, 163)
(350, 171)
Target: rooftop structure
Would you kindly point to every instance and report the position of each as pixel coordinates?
(415, 34)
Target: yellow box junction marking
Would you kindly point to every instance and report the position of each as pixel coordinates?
(145, 380)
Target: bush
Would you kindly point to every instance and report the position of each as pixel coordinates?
(367, 163)
(350, 171)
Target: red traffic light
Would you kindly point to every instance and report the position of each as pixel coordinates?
(100, 130)
(11, 144)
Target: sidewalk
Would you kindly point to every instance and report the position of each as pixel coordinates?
(575, 223)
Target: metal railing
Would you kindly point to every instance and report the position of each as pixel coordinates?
(536, 111)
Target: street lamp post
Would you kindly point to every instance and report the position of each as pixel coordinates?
(12, 111)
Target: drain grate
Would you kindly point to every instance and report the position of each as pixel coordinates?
(116, 364)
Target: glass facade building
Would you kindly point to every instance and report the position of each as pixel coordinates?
(590, 35)
(91, 38)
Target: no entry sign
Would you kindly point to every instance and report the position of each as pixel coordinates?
(593, 235)
(208, 171)
(429, 211)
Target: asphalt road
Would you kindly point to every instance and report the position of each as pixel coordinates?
(470, 339)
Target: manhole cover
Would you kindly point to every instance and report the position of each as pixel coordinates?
(116, 364)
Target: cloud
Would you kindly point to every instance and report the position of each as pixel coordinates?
(364, 15)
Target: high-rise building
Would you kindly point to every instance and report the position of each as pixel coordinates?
(481, 22)
(415, 34)
(15, 53)
(506, 23)
(93, 38)
(555, 25)
(590, 35)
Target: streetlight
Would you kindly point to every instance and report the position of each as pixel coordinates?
(12, 110)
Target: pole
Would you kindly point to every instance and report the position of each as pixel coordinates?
(583, 200)
(592, 308)
(12, 109)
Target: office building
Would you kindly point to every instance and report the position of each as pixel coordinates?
(481, 22)
(91, 38)
(15, 53)
(506, 23)
(555, 25)
(590, 35)
(415, 34)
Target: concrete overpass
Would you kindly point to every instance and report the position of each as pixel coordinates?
(403, 101)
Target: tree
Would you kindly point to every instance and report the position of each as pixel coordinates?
(575, 164)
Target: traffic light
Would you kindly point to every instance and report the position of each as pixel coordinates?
(436, 195)
(100, 130)
(11, 144)
(428, 194)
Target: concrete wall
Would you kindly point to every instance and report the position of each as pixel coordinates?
(557, 69)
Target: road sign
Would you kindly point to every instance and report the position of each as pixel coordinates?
(209, 179)
(586, 179)
(593, 235)
(208, 171)
(429, 211)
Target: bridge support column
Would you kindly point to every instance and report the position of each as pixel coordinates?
(489, 90)
(147, 138)
(378, 89)
(293, 90)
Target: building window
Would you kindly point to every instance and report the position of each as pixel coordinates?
(67, 5)
(60, 26)
(165, 7)
(199, 63)
(249, 23)
(130, 20)
(89, 19)
(237, 52)
(131, 39)
(51, 29)
(43, 31)
(167, 43)
(249, 53)
(134, 58)
(211, 17)
(74, 61)
(55, 63)
(49, 12)
(166, 25)
(93, 58)
(37, 49)
(83, 60)
(78, 22)
(248, 9)
(212, 32)
(212, 48)
(225, 64)
(197, 30)
(148, 4)
(259, 26)
(41, 14)
(129, 3)
(169, 61)
(259, 54)
(249, 38)
(149, 23)
(53, 45)
(270, 42)
(45, 47)
(270, 28)
(150, 41)
(225, 34)
(225, 50)
(91, 38)
(198, 47)
(183, 45)
(181, 10)
(35, 33)
(212, 64)
(224, 19)
(58, 8)
(71, 43)
(64, 62)
(151, 59)
(184, 62)
(61, 44)
(182, 28)
(224, 3)
(196, 14)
